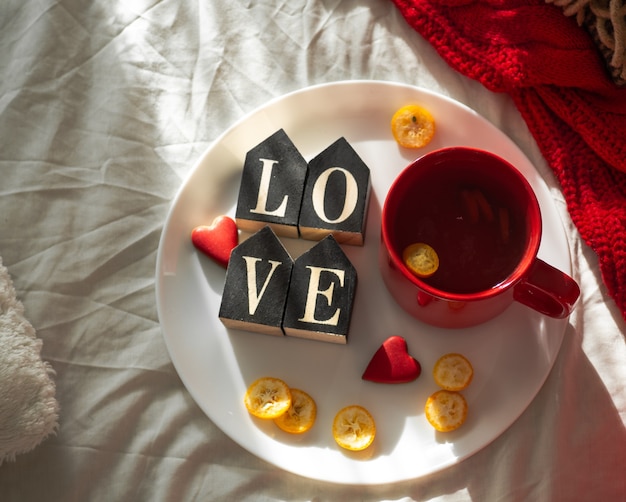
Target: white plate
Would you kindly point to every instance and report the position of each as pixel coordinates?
(512, 355)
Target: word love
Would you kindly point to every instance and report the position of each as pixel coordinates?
(328, 195)
(267, 292)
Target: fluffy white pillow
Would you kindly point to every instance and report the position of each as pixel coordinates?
(29, 411)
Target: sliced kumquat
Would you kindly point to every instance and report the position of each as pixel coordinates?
(300, 416)
(446, 410)
(421, 259)
(412, 126)
(453, 372)
(268, 398)
(354, 428)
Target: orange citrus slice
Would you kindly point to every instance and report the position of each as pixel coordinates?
(421, 259)
(412, 126)
(268, 398)
(300, 416)
(354, 428)
(446, 410)
(453, 372)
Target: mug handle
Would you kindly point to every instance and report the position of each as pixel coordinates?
(547, 290)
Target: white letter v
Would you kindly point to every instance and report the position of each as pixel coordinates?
(254, 297)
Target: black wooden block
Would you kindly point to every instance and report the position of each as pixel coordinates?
(256, 286)
(271, 188)
(336, 196)
(321, 294)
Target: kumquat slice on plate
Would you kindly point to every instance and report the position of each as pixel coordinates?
(354, 428)
(412, 126)
(268, 398)
(446, 410)
(300, 416)
(453, 372)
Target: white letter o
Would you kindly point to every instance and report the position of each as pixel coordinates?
(319, 192)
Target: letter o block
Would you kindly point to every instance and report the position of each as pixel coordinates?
(336, 196)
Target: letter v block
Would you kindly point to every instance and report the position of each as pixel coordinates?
(336, 196)
(272, 183)
(256, 285)
(321, 294)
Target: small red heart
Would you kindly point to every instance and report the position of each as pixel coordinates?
(392, 363)
(217, 240)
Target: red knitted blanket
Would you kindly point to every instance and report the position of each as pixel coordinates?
(557, 78)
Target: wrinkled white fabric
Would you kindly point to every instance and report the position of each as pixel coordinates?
(104, 109)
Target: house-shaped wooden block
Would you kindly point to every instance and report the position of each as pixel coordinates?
(272, 183)
(336, 196)
(321, 294)
(256, 286)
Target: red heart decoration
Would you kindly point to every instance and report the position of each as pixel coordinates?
(392, 363)
(217, 240)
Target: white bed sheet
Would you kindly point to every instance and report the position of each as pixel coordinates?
(104, 109)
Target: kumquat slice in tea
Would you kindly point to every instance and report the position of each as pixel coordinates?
(421, 259)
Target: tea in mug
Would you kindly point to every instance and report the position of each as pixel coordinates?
(478, 236)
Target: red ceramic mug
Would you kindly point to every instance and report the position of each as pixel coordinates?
(481, 217)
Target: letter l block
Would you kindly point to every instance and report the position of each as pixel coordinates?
(272, 183)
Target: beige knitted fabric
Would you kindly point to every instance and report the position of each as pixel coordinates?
(605, 20)
(28, 407)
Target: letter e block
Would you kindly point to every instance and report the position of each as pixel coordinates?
(272, 183)
(257, 281)
(321, 294)
(336, 196)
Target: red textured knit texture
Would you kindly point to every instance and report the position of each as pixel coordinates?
(557, 79)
